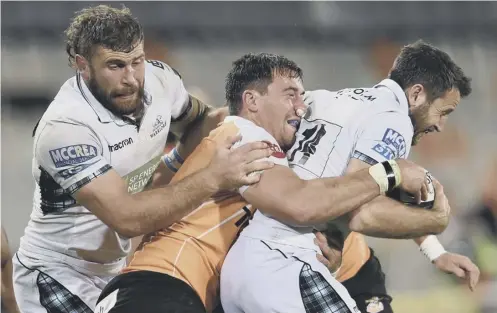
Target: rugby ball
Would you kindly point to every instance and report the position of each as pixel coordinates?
(408, 199)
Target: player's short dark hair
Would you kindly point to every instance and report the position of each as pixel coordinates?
(111, 28)
(256, 71)
(422, 63)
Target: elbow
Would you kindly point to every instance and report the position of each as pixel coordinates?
(299, 215)
(358, 222)
(127, 230)
(357, 226)
(126, 226)
(441, 224)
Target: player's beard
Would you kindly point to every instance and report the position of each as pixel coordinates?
(419, 119)
(108, 99)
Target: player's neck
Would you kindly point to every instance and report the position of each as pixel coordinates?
(254, 118)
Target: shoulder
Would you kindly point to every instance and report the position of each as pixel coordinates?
(161, 71)
(69, 107)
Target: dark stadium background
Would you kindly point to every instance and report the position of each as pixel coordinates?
(338, 44)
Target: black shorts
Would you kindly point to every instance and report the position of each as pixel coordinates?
(150, 292)
(368, 288)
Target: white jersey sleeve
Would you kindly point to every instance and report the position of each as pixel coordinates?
(253, 133)
(171, 79)
(386, 136)
(71, 154)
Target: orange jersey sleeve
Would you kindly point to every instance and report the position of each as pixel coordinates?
(194, 248)
(354, 255)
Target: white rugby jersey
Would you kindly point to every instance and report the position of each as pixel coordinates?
(77, 140)
(263, 226)
(370, 124)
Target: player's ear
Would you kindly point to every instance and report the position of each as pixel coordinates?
(83, 66)
(416, 95)
(249, 98)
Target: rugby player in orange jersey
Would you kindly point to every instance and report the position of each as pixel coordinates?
(177, 269)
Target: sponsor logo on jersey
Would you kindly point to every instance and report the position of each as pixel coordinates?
(277, 152)
(384, 150)
(139, 178)
(121, 144)
(72, 155)
(158, 126)
(392, 145)
(69, 172)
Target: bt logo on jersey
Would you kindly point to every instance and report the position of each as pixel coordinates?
(72, 155)
(384, 150)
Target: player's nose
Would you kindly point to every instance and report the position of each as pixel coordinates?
(129, 76)
(300, 107)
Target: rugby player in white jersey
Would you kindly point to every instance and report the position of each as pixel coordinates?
(96, 148)
(343, 132)
(443, 84)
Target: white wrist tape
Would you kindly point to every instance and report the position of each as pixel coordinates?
(379, 174)
(396, 171)
(432, 248)
(173, 160)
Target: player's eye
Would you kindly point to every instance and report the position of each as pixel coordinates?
(114, 65)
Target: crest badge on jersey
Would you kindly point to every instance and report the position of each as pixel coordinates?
(392, 145)
(277, 152)
(158, 126)
(374, 305)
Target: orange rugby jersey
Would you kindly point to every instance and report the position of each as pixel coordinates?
(194, 248)
(354, 255)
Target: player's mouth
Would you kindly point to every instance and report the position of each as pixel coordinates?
(295, 123)
(126, 96)
(429, 130)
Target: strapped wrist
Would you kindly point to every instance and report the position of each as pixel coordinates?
(432, 248)
(173, 160)
(387, 175)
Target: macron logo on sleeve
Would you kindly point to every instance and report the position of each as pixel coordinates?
(72, 155)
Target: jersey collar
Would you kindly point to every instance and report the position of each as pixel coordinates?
(104, 115)
(399, 94)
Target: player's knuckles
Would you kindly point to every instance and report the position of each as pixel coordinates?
(257, 145)
(256, 155)
(260, 166)
(252, 179)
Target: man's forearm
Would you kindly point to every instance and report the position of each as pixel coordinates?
(195, 132)
(387, 218)
(190, 139)
(161, 207)
(323, 199)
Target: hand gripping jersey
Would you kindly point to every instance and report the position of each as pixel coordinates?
(194, 248)
(77, 140)
(370, 124)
